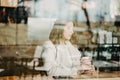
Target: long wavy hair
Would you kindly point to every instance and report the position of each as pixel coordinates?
(56, 36)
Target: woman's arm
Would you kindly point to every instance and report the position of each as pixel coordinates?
(49, 58)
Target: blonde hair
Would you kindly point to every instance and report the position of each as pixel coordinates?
(56, 36)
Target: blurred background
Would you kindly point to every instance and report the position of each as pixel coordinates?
(24, 24)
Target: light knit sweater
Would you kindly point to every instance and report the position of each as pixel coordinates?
(62, 59)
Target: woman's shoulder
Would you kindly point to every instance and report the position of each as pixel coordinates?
(48, 44)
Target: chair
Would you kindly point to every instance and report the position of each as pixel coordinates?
(36, 57)
(37, 62)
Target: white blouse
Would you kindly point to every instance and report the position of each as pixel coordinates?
(62, 59)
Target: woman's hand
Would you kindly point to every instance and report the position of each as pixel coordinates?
(86, 66)
(91, 71)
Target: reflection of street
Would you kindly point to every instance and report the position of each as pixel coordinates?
(13, 15)
(8, 35)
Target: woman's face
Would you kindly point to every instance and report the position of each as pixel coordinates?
(68, 30)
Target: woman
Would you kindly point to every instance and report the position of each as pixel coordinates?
(61, 57)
